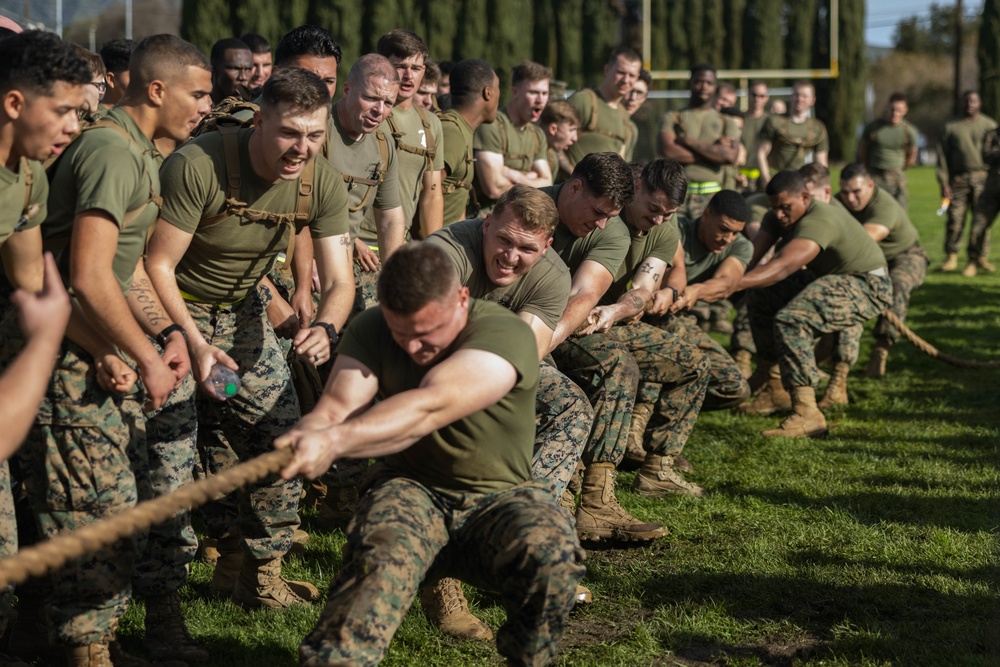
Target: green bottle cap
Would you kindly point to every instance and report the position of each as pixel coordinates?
(231, 389)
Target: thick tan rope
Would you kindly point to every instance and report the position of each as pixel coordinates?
(932, 351)
(39, 559)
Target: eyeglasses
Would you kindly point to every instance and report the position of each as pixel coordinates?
(102, 87)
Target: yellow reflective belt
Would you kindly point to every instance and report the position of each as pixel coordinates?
(192, 298)
(704, 188)
(750, 173)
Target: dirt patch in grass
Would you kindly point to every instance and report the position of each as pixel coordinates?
(779, 653)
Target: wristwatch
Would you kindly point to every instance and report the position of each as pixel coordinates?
(331, 331)
(161, 337)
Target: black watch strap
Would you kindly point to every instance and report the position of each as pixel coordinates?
(331, 331)
(161, 337)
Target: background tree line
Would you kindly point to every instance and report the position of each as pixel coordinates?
(575, 36)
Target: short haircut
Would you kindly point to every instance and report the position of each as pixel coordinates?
(415, 275)
(402, 44)
(815, 174)
(220, 47)
(534, 210)
(755, 83)
(606, 175)
(702, 67)
(559, 111)
(369, 66)
(301, 89)
(789, 181)
(446, 66)
(854, 170)
(967, 93)
(897, 97)
(666, 176)
(646, 77)
(804, 84)
(469, 78)
(256, 42)
(530, 71)
(731, 204)
(165, 58)
(94, 62)
(629, 54)
(33, 61)
(306, 40)
(432, 73)
(116, 54)
(725, 86)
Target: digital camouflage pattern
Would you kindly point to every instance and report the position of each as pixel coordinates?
(893, 181)
(563, 419)
(966, 191)
(517, 542)
(8, 540)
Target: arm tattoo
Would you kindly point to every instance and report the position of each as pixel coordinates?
(346, 240)
(634, 300)
(145, 296)
(646, 267)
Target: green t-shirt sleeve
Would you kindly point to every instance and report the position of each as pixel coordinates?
(487, 138)
(824, 139)
(813, 229)
(663, 242)
(610, 247)
(741, 250)
(543, 145)
(550, 293)
(731, 129)
(583, 102)
(438, 133)
(186, 191)
(912, 139)
(502, 333)
(107, 173)
(329, 215)
(364, 339)
(769, 131)
(39, 197)
(460, 254)
(387, 195)
(454, 148)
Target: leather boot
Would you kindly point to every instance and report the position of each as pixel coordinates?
(568, 501)
(600, 517)
(984, 264)
(260, 584)
(94, 655)
(772, 397)
(166, 634)
(445, 607)
(743, 360)
(876, 362)
(836, 391)
(806, 420)
(658, 478)
(227, 564)
(950, 262)
(208, 550)
(635, 454)
(583, 595)
(300, 539)
(970, 270)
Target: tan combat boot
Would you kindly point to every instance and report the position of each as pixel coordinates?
(659, 478)
(743, 360)
(261, 585)
(876, 362)
(166, 634)
(300, 539)
(635, 454)
(600, 517)
(970, 270)
(836, 391)
(445, 607)
(228, 564)
(583, 595)
(208, 550)
(772, 397)
(568, 501)
(805, 422)
(94, 655)
(984, 264)
(950, 262)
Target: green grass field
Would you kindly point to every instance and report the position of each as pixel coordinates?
(876, 546)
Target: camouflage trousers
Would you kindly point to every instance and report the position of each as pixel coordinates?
(245, 425)
(366, 288)
(607, 373)
(907, 272)
(706, 314)
(8, 540)
(674, 377)
(983, 214)
(966, 189)
(76, 466)
(517, 542)
(893, 181)
(726, 385)
(742, 338)
(563, 420)
(790, 316)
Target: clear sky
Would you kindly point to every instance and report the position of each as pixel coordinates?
(883, 15)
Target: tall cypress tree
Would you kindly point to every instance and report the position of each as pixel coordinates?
(570, 39)
(510, 40)
(442, 27)
(841, 101)
(762, 38)
(713, 33)
(989, 58)
(732, 51)
(204, 22)
(343, 20)
(799, 41)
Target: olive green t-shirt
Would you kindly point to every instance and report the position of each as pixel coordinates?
(487, 451)
(660, 242)
(14, 214)
(412, 166)
(520, 147)
(631, 139)
(103, 170)
(759, 206)
(459, 167)
(962, 145)
(706, 125)
(792, 142)
(608, 247)
(543, 291)
(606, 133)
(363, 159)
(888, 144)
(699, 261)
(226, 259)
(751, 137)
(845, 246)
(884, 210)
(552, 157)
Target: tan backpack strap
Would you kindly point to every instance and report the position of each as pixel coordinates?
(303, 205)
(29, 180)
(431, 141)
(231, 145)
(592, 122)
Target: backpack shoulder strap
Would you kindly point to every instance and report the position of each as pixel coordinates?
(154, 197)
(29, 180)
(431, 141)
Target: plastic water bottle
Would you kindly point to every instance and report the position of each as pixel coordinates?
(223, 382)
(945, 203)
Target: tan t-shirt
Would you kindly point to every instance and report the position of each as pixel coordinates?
(226, 259)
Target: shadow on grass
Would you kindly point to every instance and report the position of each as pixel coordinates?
(989, 574)
(898, 623)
